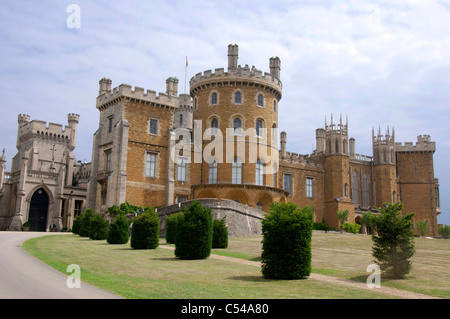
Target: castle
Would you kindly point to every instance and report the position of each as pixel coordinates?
(219, 143)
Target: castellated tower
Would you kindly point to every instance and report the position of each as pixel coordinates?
(418, 187)
(384, 170)
(40, 186)
(336, 164)
(238, 110)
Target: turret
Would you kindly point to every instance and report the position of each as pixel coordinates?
(352, 147)
(73, 120)
(320, 141)
(283, 144)
(275, 66)
(105, 86)
(383, 147)
(233, 53)
(23, 119)
(336, 136)
(172, 86)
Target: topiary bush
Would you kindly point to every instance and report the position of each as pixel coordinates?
(76, 225)
(171, 227)
(194, 233)
(351, 228)
(85, 222)
(118, 230)
(98, 228)
(145, 231)
(220, 233)
(287, 233)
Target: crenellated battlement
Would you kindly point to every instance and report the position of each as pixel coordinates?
(139, 94)
(423, 144)
(300, 159)
(44, 130)
(241, 74)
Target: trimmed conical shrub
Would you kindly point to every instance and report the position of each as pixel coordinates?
(194, 233)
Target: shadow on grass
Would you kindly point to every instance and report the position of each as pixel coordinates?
(253, 278)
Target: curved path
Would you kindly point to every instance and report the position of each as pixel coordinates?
(22, 276)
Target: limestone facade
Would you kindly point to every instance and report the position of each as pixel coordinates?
(46, 186)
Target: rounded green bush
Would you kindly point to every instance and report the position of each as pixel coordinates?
(287, 233)
(220, 234)
(194, 233)
(171, 227)
(118, 230)
(145, 231)
(98, 227)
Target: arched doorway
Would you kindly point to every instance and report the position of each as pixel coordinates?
(38, 210)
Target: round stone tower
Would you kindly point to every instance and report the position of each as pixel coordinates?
(237, 112)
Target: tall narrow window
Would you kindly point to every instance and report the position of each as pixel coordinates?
(237, 98)
(355, 187)
(274, 105)
(110, 124)
(346, 190)
(181, 119)
(214, 98)
(212, 176)
(259, 125)
(438, 200)
(214, 126)
(236, 172)
(108, 160)
(309, 187)
(150, 165)
(153, 126)
(237, 125)
(181, 173)
(259, 176)
(260, 100)
(394, 195)
(365, 191)
(288, 182)
(274, 175)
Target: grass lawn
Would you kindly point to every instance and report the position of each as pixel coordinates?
(158, 274)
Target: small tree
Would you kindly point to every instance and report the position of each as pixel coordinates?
(118, 230)
(394, 244)
(422, 227)
(220, 233)
(194, 233)
(145, 233)
(444, 231)
(99, 227)
(342, 216)
(171, 227)
(85, 222)
(287, 233)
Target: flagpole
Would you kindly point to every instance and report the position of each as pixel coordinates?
(185, 72)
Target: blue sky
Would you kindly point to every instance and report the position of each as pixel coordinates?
(382, 63)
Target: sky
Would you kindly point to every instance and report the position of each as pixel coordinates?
(381, 63)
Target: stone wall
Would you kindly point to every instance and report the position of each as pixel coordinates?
(241, 220)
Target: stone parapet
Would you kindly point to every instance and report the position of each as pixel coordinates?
(240, 74)
(423, 144)
(138, 94)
